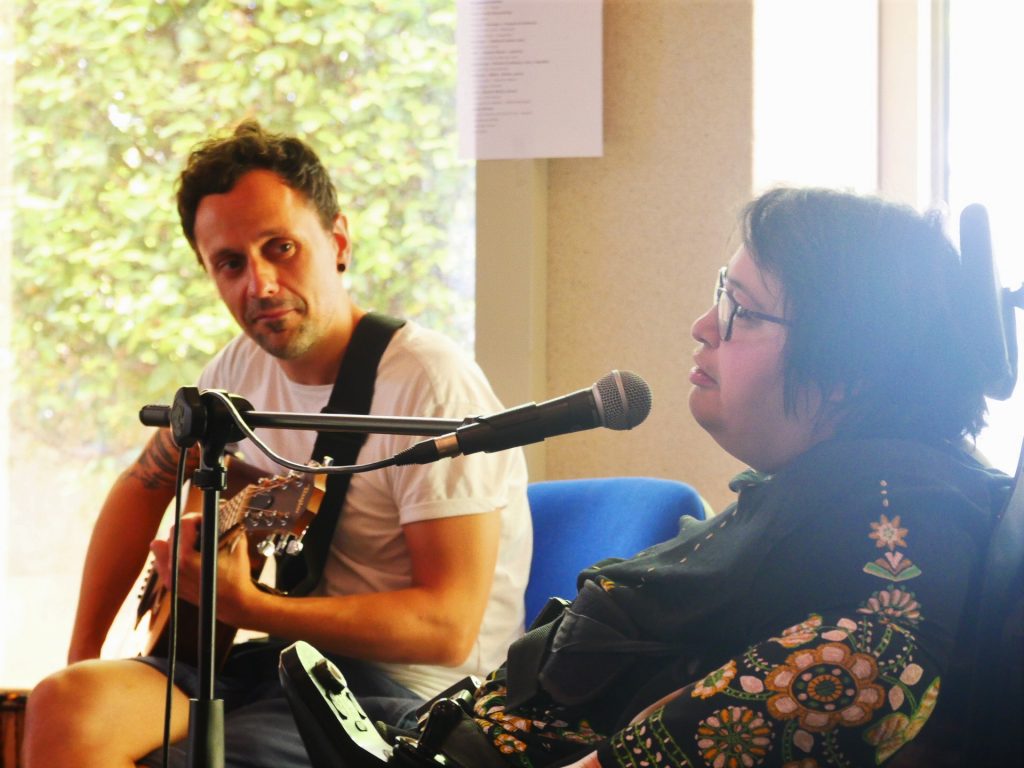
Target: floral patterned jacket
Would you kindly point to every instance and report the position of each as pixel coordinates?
(810, 624)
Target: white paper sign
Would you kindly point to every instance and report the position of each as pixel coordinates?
(529, 78)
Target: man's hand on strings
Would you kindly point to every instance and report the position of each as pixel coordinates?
(234, 580)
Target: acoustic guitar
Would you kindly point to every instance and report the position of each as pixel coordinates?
(275, 513)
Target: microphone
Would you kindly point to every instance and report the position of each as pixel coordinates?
(619, 400)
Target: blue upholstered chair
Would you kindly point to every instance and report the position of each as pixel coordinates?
(578, 522)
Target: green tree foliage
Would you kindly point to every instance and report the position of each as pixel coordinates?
(111, 309)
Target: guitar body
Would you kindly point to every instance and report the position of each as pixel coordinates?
(274, 512)
(187, 651)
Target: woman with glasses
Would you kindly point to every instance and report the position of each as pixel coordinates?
(814, 622)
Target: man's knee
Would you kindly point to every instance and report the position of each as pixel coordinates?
(65, 699)
(110, 711)
(80, 701)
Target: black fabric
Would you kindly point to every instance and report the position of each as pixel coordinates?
(525, 657)
(661, 597)
(352, 394)
(526, 654)
(860, 555)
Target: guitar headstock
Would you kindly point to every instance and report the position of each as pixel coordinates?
(274, 511)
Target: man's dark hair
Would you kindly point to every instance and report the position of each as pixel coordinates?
(873, 293)
(216, 165)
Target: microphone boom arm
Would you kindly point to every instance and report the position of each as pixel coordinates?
(194, 409)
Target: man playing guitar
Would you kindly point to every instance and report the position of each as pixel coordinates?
(424, 579)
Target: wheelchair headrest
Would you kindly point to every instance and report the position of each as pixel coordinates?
(990, 321)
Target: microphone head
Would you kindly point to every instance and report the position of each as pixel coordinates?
(623, 399)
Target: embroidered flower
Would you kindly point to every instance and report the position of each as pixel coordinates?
(896, 562)
(751, 684)
(508, 744)
(892, 732)
(893, 566)
(888, 534)
(485, 710)
(803, 740)
(512, 722)
(490, 702)
(801, 633)
(888, 735)
(734, 737)
(715, 682)
(844, 627)
(912, 674)
(893, 605)
(646, 745)
(896, 697)
(824, 687)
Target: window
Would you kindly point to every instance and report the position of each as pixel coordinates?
(107, 308)
(816, 95)
(899, 94)
(986, 165)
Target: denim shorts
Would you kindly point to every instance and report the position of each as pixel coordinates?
(259, 730)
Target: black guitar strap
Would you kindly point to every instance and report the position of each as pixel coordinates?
(352, 394)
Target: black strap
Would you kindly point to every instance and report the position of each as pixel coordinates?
(352, 394)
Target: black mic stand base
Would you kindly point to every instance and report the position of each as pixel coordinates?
(206, 732)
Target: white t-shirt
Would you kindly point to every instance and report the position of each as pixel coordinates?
(423, 374)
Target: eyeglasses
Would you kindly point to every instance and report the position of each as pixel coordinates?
(729, 309)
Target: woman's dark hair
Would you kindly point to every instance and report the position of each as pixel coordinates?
(216, 165)
(872, 291)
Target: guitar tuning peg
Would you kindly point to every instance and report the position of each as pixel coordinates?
(288, 544)
(267, 547)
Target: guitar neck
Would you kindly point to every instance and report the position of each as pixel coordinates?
(232, 511)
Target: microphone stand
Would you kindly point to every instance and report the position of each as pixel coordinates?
(204, 418)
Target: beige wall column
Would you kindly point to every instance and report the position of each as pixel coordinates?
(633, 239)
(511, 277)
(911, 129)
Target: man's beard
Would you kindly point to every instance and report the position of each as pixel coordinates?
(277, 340)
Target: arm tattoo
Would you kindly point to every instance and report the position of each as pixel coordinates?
(157, 465)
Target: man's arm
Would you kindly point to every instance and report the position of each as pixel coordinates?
(434, 621)
(118, 548)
